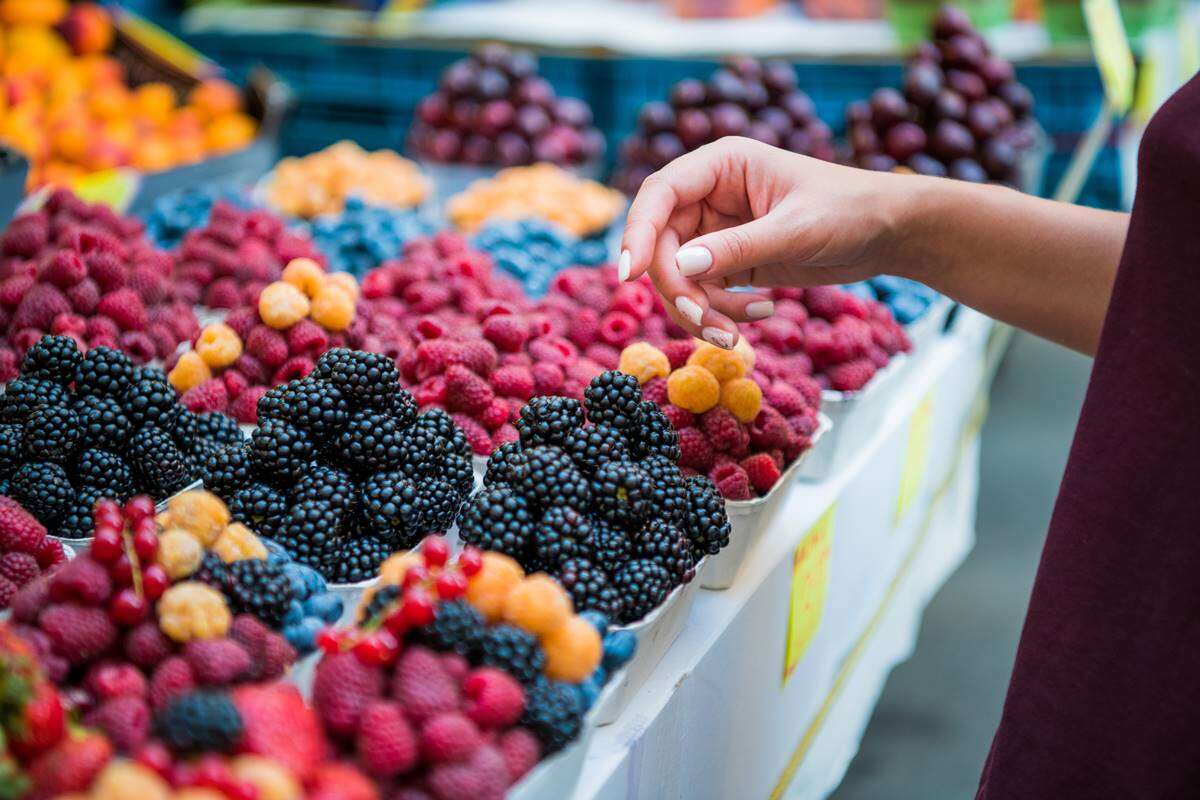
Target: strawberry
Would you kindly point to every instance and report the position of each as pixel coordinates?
(278, 723)
(42, 722)
(70, 766)
(386, 744)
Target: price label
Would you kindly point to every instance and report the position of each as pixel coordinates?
(810, 584)
(1114, 57)
(115, 188)
(916, 456)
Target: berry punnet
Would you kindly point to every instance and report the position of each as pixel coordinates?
(342, 470)
(598, 505)
(79, 427)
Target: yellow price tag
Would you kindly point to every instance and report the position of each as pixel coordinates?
(115, 188)
(1114, 57)
(916, 455)
(810, 584)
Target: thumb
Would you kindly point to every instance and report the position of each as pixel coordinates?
(761, 242)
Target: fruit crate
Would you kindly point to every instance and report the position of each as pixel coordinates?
(855, 417)
(655, 633)
(14, 169)
(750, 520)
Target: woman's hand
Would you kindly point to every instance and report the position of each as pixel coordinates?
(741, 213)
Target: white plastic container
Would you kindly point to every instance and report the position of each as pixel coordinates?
(352, 595)
(655, 633)
(751, 518)
(855, 416)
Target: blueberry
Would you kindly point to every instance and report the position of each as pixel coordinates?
(327, 606)
(619, 647)
(302, 636)
(295, 576)
(863, 290)
(276, 553)
(908, 307)
(312, 580)
(590, 689)
(294, 614)
(596, 619)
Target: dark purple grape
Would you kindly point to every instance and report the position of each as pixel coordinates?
(756, 95)
(477, 149)
(491, 84)
(858, 111)
(728, 120)
(925, 164)
(725, 87)
(532, 121)
(779, 120)
(459, 78)
(964, 51)
(664, 148)
(521, 64)
(445, 145)
(693, 128)
(951, 21)
(592, 144)
(951, 140)
(656, 117)
(995, 72)
(463, 114)
(688, 94)
(779, 77)
(745, 67)
(1019, 135)
(825, 151)
(949, 104)
(922, 83)
(968, 84)
(888, 107)
(494, 55)
(981, 120)
(535, 90)
(878, 162)
(434, 109)
(818, 130)
(798, 141)
(799, 107)
(927, 53)
(1018, 98)
(863, 139)
(512, 150)
(630, 179)
(633, 149)
(967, 169)
(999, 158)
(903, 140)
(560, 145)
(573, 111)
(1000, 109)
(495, 116)
(763, 133)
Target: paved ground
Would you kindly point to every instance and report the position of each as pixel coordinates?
(930, 733)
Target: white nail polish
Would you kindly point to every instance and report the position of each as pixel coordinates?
(624, 264)
(690, 309)
(718, 337)
(760, 309)
(693, 260)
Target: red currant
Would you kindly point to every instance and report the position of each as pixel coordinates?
(107, 512)
(211, 771)
(396, 623)
(415, 574)
(451, 585)
(155, 756)
(139, 507)
(377, 649)
(435, 551)
(329, 641)
(121, 570)
(470, 561)
(418, 607)
(154, 581)
(106, 544)
(127, 608)
(145, 542)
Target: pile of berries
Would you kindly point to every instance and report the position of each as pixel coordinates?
(25, 550)
(322, 183)
(176, 213)
(729, 427)
(962, 112)
(233, 363)
(746, 97)
(907, 299)
(603, 506)
(84, 271)
(533, 251)
(361, 236)
(227, 263)
(342, 470)
(75, 428)
(493, 108)
(33, 720)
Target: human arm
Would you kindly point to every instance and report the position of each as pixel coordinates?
(741, 213)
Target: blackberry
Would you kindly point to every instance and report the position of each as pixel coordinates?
(608, 547)
(354, 559)
(369, 442)
(159, 463)
(615, 398)
(706, 523)
(23, 395)
(102, 422)
(212, 571)
(642, 585)
(259, 507)
(280, 449)
(594, 445)
(226, 470)
(104, 471)
(256, 586)
(316, 407)
(182, 425)
(561, 534)
(547, 477)
(328, 484)
(440, 501)
(501, 463)
(549, 420)
(52, 433)
(368, 379)
(513, 650)
(77, 521)
(54, 358)
(655, 436)
(665, 544)
(307, 530)
(104, 372)
(424, 449)
(217, 428)
(200, 722)
(149, 373)
(622, 493)
(497, 518)
(404, 409)
(10, 448)
(589, 587)
(438, 421)
(553, 713)
(457, 627)
(459, 473)
(272, 405)
(147, 400)
(43, 489)
(380, 600)
(669, 494)
(390, 508)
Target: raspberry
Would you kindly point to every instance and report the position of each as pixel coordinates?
(139, 346)
(13, 289)
(494, 698)
(386, 744)
(786, 399)
(697, 451)
(147, 646)
(217, 662)
(518, 382)
(762, 471)
(79, 634)
(553, 349)
(742, 398)
(769, 429)
(693, 388)
(422, 685)
(507, 332)
(307, 338)
(244, 407)
(38, 308)
(466, 391)
(495, 415)
(19, 530)
(679, 418)
(342, 689)
(50, 554)
(521, 752)
(617, 328)
(478, 355)
(8, 591)
(293, 369)
(64, 269)
(449, 736)
(484, 775)
(20, 568)
(655, 390)
(191, 610)
(83, 580)
(282, 305)
(124, 307)
(784, 335)
(125, 720)
(731, 481)
(547, 378)
(305, 274)
(726, 434)
(171, 679)
(208, 396)
(823, 301)
(851, 375)
(267, 346)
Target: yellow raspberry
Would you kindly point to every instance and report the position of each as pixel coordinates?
(121, 780)
(573, 651)
(537, 604)
(488, 589)
(282, 305)
(189, 371)
(219, 345)
(179, 553)
(742, 397)
(192, 610)
(305, 274)
(644, 361)
(344, 280)
(746, 350)
(333, 308)
(238, 543)
(394, 567)
(200, 513)
(725, 365)
(693, 388)
(272, 781)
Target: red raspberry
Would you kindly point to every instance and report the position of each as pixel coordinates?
(386, 744)
(342, 689)
(109, 679)
(149, 284)
(20, 568)
(64, 269)
(851, 376)
(655, 390)
(13, 290)
(505, 433)
(19, 530)
(618, 328)
(731, 481)
(512, 381)
(584, 328)
(823, 301)
(124, 720)
(245, 407)
(507, 332)
(26, 235)
(424, 297)
(292, 369)
(377, 283)
(217, 662)
(50, 554)
(307, 338)
(124, 307)
(809, 388)
(547, 378)
(431, 391)
(211, 395)
(172, 678)
(494, 698)
(680, 418)
(274, 658)
(138, 346)
(251, 368)
(147, 646)
(521, 751)
(762, 471)
(422, 685)
(495, 415)
(678, 351)
(433, 356)
(477, 435)
(38, 308)
(786, 399)
(223, 293)
(726, 434)
(235, 383)
(769, 429)
(878, 356)
(449, 736)
(478, 355)
(791, 310)
(855, 333)
(606, 356)
(78, 633)
(267, 346)
(81, 579)
(634, 299)
(242, 320)
(106, 270)
(164, 339)
(8, 364)
(484, 775)
(783, 335)
(696, 450)
(466, 391)
(553, 350)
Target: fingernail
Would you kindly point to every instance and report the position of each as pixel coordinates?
(693, 260)
(624, 264)
(718, 337)
(690, 309)
(760, 309)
